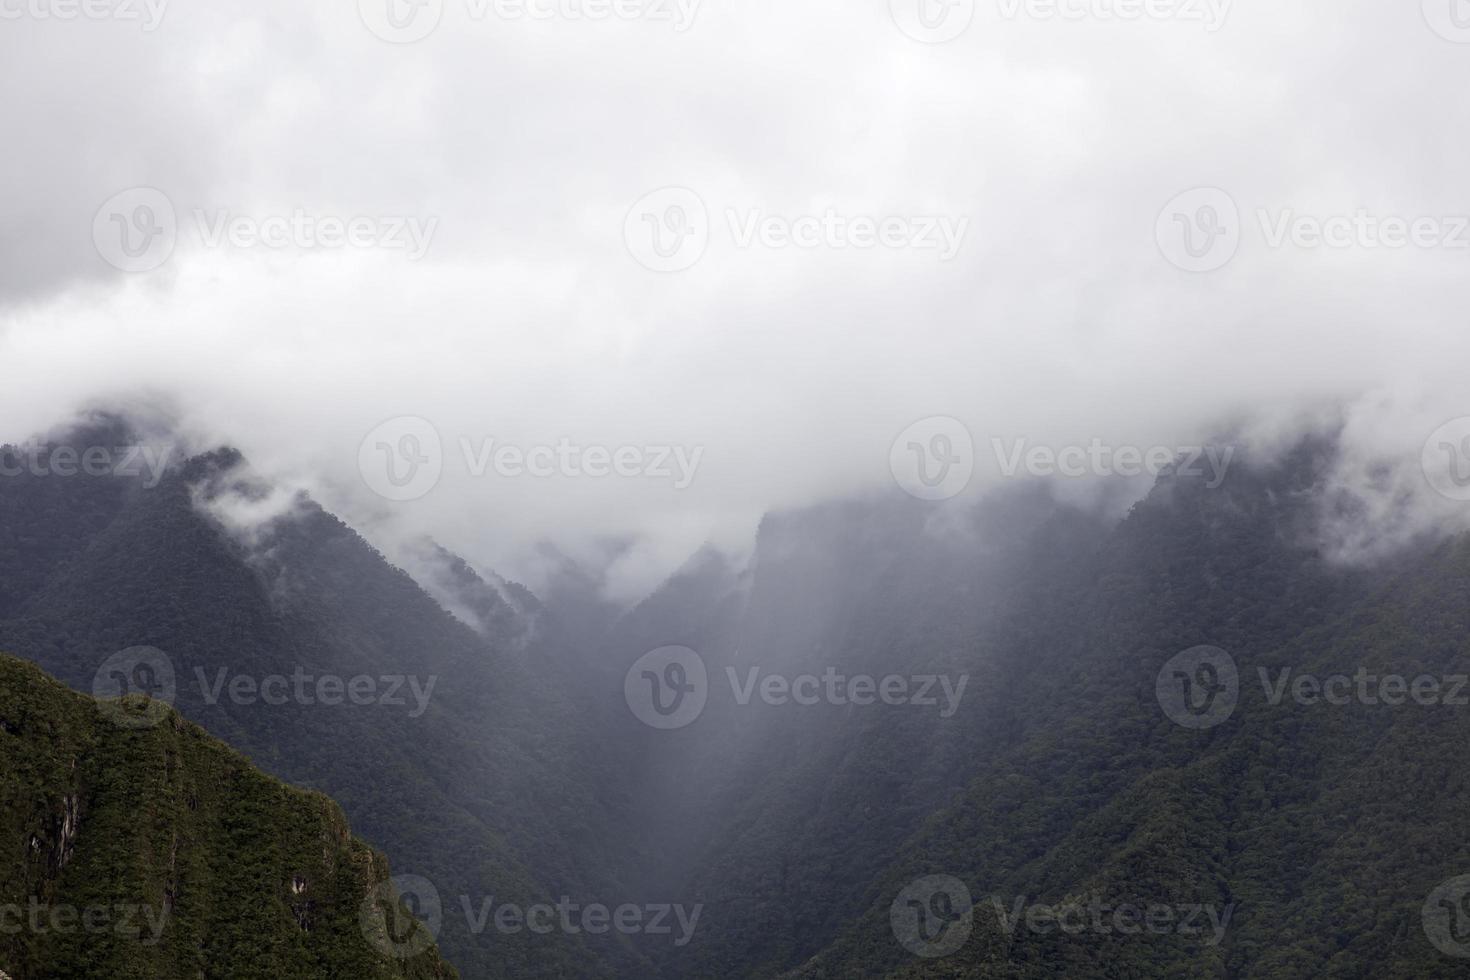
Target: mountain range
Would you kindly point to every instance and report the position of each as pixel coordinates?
(1019, 738)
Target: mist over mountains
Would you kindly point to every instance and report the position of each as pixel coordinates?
(708, 490)
(756, 760)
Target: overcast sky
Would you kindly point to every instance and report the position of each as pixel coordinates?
(999, 238)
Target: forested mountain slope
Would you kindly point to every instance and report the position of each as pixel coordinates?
(453, 756)
(139, 848)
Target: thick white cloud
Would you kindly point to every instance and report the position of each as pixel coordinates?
(524, 144)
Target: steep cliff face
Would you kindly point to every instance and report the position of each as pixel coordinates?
(136, 846)
(455, 783)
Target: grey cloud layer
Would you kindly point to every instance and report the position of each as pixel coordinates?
(527, 320)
